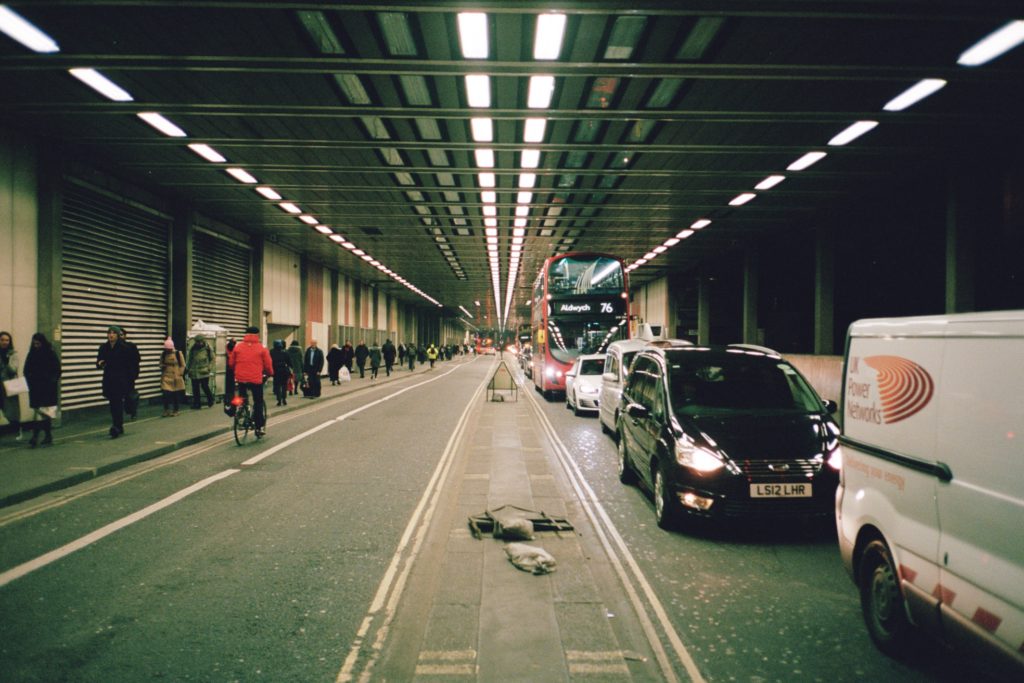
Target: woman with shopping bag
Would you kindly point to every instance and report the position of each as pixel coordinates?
(11, 382)
(42, 370)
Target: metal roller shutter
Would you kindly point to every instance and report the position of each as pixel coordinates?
(220, 282)
(115, 272)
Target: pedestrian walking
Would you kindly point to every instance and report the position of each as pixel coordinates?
(10, 368)
(375, 357)
(410, 356)
(199, 367)
(312, 366)
(334, 357)
(42, 371)
(348, 354)
(362, 353)
(172, 377)
(118, 364)
(401, 353)
(282, 366)
(421, 354)
(295, 355)
(431, 354)
(389, 352)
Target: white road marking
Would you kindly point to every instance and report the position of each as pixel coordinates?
(604, 527)
(87, 540)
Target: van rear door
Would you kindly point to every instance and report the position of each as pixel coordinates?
(981, 509)
(889, 464)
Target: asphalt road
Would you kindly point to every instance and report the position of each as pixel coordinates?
(267, 570)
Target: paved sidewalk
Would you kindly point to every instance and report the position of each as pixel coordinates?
(82, 448)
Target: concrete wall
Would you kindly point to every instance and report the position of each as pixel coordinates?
(651, 304)
(19, 247)
(282, 285)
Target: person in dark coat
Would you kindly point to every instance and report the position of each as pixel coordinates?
(389, 352)
(348, 354)
(421, 354)
(229, 380)
(199, 367)
(401, 353)
(295, 354)
(334, 363)
(42, 372)
(410, 355)
(282, 371)
(312, 366)
(374, 360)
(362, 353)
(116, 361)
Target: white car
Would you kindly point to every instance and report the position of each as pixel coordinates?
(583, 383)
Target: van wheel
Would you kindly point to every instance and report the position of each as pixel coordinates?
(666, 509)
(626, 474)
(881, 600)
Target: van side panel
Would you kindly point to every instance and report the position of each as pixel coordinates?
(981, 437)
(889, 420)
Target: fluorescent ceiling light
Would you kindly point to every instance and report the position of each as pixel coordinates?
(522, 211)
(308, 220)
(486, 179)
(485, 158)
(325, 230)
(490, 210)
(101, 84)
(488, 197)
(672, 241)
(541, 90)
(337, 238)
(366, 257)
(482, 129)
(741, 199)
(518, 232)
(348, 245)
(534, 130)
(491, 222)
(290, 208)
(684, 234)
(852, 132)
(524, 197)
(23, 31)
(649, 255)
(241, 175)
(478, 90)
(701, 223)
(209, 153)
(660, 249)
(530, 158)
(527, 180)
(492, 240)
(914, 94)
(639, 262)
(806, 160)
(769, 182)
(473, 34)
(268, 192)
(491, 232)
(358, 252)
(162, 124)
(994, 44)
(519, 222)
(547, 43)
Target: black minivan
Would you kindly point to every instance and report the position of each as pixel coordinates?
(727, 433)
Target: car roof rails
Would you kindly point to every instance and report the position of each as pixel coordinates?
(670, 343)
(754, 347)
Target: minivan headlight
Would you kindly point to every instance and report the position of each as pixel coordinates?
(696, 458)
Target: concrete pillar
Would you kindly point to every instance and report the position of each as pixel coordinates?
(256, 310)
(300, 333)
(961, 216)
(181, 272)
(824, 292)
(751, 274)
(51, 251)
(704, 309)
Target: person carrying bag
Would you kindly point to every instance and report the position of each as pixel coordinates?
(42, 370)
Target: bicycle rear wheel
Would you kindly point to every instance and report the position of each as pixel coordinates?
(242, 424)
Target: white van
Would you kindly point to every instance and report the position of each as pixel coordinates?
(617, 360)
(930, 506)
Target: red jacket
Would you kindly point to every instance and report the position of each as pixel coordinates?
(250, 360)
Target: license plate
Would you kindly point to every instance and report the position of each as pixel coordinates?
(780, 490)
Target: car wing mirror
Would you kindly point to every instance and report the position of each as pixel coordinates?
(636, 410)
(831, 406)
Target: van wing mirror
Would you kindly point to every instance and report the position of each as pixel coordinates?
(636, 410)
(608, 377)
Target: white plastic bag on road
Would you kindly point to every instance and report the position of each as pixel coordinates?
(530, 558)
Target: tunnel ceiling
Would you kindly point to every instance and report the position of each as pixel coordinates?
(657, 115)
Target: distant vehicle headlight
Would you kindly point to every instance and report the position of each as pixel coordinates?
(697, 458)
(549, 372)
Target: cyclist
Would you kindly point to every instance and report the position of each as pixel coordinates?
(251, 362)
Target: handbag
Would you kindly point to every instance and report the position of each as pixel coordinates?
(47, 411)
(13, 387)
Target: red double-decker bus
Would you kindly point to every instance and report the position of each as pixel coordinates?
(580, 305)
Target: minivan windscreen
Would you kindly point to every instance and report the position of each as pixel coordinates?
(699, 383)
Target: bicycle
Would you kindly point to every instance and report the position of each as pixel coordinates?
(245, 420)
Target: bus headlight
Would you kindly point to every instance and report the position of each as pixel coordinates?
(549, 372)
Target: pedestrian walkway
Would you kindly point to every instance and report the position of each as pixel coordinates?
(82, 448)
